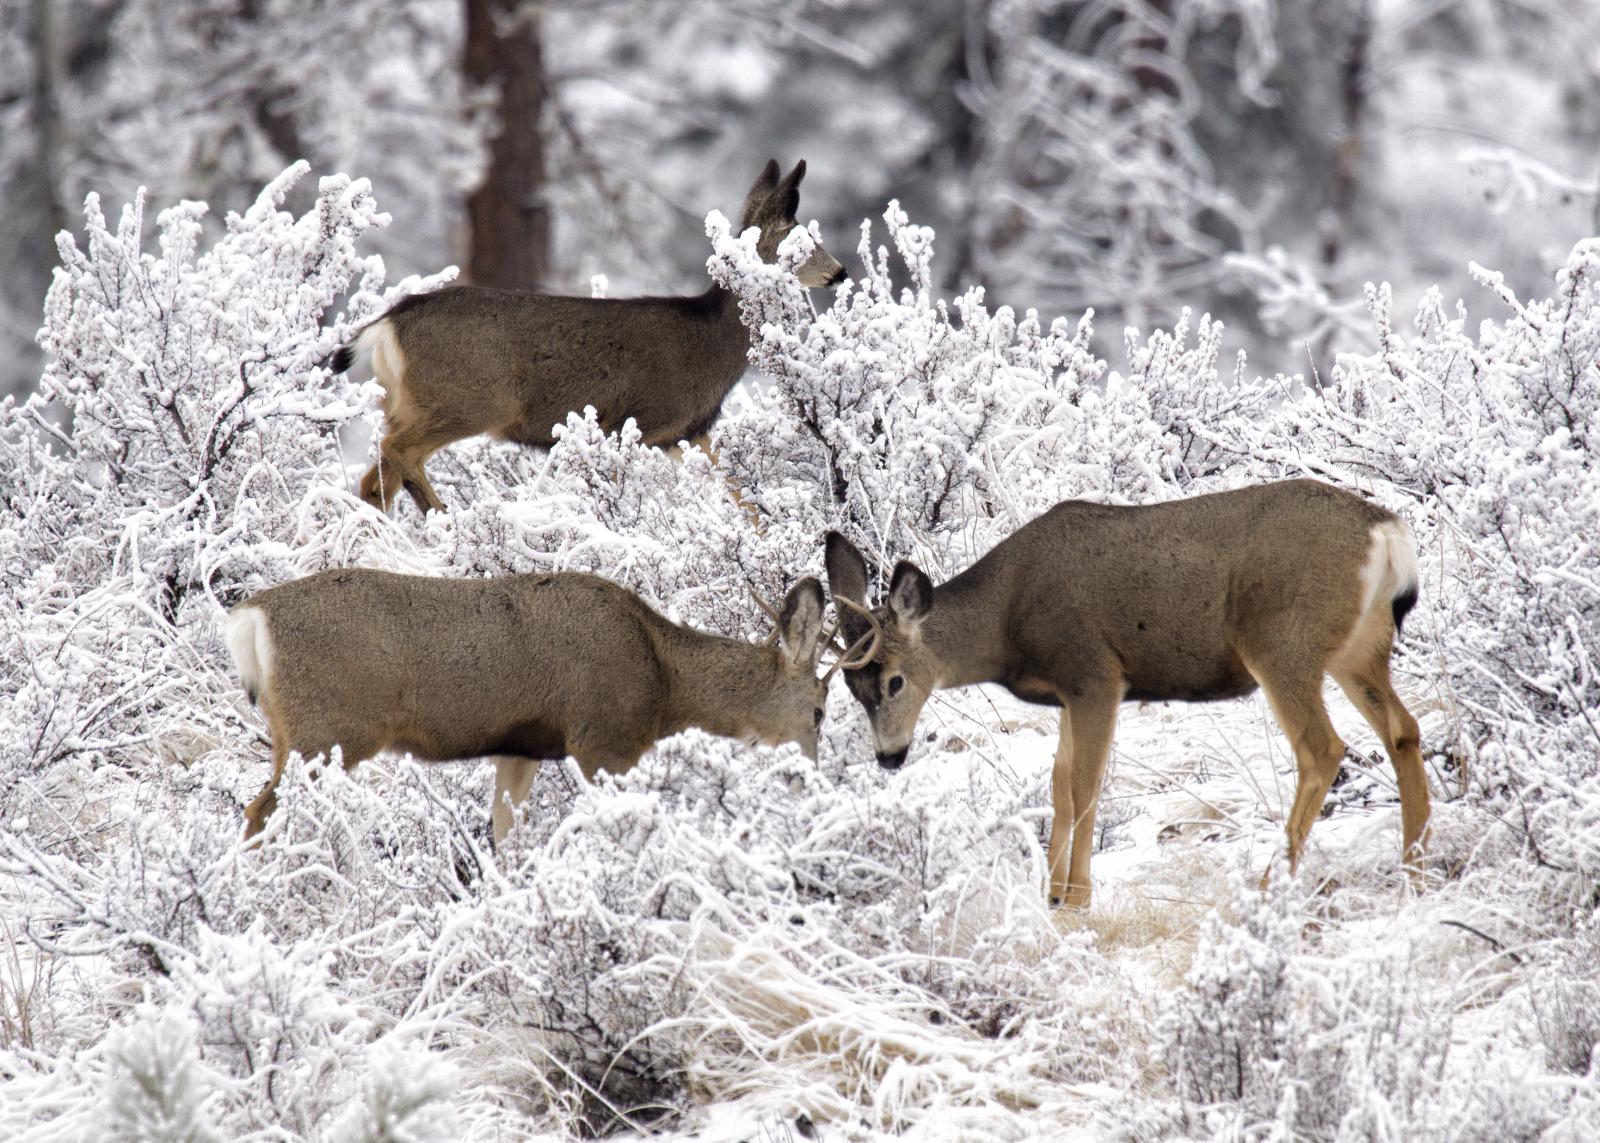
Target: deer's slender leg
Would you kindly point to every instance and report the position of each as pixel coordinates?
(400, 460)
(356, 744)
(382, 483)
(513, 778)
(417, 430)
(1370, 689)
(1087, 724)
(257, 812)
(419, 488)
(1061, 807)
(1294, 690)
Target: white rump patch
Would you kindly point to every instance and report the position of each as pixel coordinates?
(388, 363)
(1391, 566)
(251, 647)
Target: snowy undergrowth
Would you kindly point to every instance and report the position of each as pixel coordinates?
(736, 942)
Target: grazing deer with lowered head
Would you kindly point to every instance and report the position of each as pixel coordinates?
(467, 360)
(520, 668)
(1205, 598)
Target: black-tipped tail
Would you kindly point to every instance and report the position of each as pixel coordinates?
(1402, 605)
(343, 358)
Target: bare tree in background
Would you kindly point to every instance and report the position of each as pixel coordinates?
(1094, 188)
(47, 50)
(507, 214)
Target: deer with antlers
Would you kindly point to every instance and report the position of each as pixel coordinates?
(521, 668)
(468, 360)
(1193, 600)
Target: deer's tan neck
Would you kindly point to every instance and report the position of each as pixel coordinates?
(717, 685)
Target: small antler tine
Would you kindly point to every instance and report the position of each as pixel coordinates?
(870, 639)
(849, 660)
(772, 612)
(860, 610)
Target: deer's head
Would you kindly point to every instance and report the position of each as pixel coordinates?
(771, 206)
(895, 680)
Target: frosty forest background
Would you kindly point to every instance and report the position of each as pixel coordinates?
(1125, 250)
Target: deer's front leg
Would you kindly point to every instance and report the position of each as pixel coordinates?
(1061, 811)
(1087, 724)
(513, 778)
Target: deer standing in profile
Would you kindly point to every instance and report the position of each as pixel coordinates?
(522, 668)
(1205, 598)
(468, 360)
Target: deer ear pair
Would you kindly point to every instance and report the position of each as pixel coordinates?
(769, 186)
(910, 590)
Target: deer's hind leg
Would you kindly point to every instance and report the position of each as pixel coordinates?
(415, 428)
(261, 807)
(1293, 686)
(355, 746)
(401, 456)
(1362, 671)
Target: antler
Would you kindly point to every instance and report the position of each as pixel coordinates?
(777, 620)
(854, 657)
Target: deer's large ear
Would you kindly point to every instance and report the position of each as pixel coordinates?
(910, 595)
(759, 191)
(847, 577)
(786, 195)
(800, 622)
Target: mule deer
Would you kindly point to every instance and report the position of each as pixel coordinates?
(467, 360)
(1198, 599)
(522, 668)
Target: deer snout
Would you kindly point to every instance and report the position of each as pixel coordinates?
(893, 761)
(839, 275)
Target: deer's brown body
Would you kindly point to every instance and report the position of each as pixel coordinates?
(1193, 600)
(521, 668)
(467, 360)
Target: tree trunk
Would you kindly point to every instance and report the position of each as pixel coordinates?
(46, 113)
(1353, 82)
(507, 215)
(31, 187)
(270, 106)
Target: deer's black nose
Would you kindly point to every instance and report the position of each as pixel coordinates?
(839, 275)
(893, 761)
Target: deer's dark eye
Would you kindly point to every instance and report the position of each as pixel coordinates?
(897, 683)
(816, 717)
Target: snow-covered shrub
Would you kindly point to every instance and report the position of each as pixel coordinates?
(1230, 1037)
(729, 924)
(406, 1099)
(191, 382)
(896, 416)
(1267, 1031)
(158, 1088)
(1566, 1002)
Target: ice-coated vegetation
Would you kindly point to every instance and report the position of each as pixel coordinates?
(736, 942)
